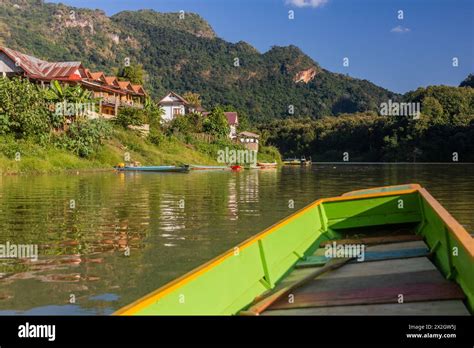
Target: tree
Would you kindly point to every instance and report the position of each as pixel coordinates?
(129, 116)
(57, 93)
(194, 99)
(133, 73)
(73, 94)
(153, 113)
(23, 109)
(85, 136)
(181, 125)
(216, 123)
(432, 108)
(468, 81)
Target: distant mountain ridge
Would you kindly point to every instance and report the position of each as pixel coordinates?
(184, 54)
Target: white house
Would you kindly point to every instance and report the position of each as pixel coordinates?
(173, 105)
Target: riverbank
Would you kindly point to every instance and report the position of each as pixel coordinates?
(29, 157)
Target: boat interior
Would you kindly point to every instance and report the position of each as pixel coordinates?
(391, 273)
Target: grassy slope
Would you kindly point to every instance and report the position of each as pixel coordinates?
(38, 159)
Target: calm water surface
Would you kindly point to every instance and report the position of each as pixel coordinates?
(170, 223)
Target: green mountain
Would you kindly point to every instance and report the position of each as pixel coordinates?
(184, 54)
(468, 81)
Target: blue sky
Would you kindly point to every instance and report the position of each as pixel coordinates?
(400, 55)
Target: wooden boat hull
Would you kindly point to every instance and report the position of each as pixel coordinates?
(297, 163)
(292, 163)
(267, 165)
(199, 167)
(155, 169)
(233, 282)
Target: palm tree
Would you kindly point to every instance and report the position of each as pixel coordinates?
(67, 93)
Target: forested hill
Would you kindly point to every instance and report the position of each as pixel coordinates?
(186, 55)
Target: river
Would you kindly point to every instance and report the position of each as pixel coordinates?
(106, 239)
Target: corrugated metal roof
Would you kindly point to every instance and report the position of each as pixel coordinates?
(65, 71)
(35, 67)
(249, 135)
(27, 63)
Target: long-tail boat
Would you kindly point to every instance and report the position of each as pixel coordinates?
(209, 168)
(206, 168)
(297, 162)
(383, 251)
(292, 162)
(263, 165)
(154, 169)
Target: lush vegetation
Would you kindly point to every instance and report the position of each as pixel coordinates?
(445, 128)
(171, 52)
(34, 137)
(133, 73)
(210, 134)
(23, 110)
(48, 158)
(183, 54)
(30, 113)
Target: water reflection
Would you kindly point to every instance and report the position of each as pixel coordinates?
(130, 233)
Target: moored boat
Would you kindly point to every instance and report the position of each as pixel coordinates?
(251, 167)
(264, 165)
(208, 168)
(402, 253)
(236, 168)
(154, 169)
(202, 167)
(297, 161)
(292, 162)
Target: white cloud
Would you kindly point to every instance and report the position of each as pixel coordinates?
(400, 29)
(307, 3)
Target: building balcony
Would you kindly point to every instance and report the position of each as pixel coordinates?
(113, 101)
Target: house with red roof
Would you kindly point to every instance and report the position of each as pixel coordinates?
(111, 93)
(233, 120)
